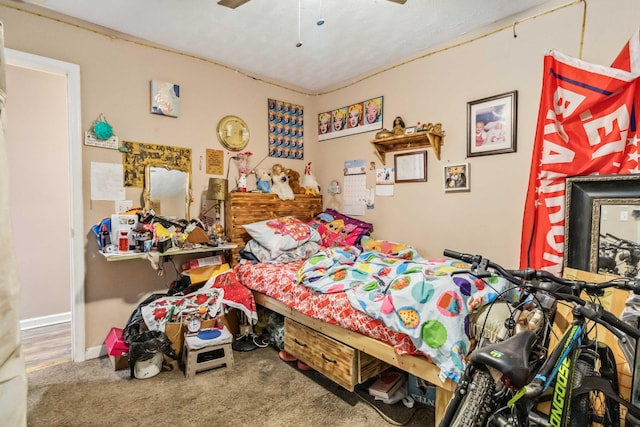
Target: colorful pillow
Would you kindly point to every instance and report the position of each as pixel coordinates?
(383, 246)
(337, 229)
(281, 234)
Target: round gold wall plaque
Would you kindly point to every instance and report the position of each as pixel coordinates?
(233, 133)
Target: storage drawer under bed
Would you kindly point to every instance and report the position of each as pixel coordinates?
(342, 364)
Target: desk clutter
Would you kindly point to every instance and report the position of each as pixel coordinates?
(137, 232)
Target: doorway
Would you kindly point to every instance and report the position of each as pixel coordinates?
(71, 193)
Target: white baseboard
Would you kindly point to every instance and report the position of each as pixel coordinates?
(51, 319)
(95, 352)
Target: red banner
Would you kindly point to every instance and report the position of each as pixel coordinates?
(587, 124)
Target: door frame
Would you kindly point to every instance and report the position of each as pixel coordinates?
(74, 127)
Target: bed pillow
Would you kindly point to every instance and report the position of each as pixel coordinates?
(383, 246)
(262, 254)
(281, 234)
(337, 229)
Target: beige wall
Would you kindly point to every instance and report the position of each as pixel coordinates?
(115, 81)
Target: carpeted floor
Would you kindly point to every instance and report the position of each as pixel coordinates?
(259, 390)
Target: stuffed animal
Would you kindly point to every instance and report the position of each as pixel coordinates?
(280, 183)
(294, 181)
(309, 182)
(263, 180)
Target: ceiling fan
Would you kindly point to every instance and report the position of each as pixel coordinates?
(237, 3)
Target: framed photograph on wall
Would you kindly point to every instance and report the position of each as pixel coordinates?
(491, 125)
(411, 167)
(456, 177)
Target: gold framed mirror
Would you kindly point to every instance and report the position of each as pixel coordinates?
(167, 190)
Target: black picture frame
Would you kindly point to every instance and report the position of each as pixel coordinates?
(492, 125)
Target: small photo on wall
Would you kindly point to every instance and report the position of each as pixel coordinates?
(456, 177)
(165, 98)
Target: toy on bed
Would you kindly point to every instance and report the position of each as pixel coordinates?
(280, 183)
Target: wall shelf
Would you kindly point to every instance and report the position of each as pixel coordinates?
(431, 138)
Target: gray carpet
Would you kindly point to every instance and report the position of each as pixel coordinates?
(259, 389)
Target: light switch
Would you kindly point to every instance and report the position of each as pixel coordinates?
(123, 205)
(624, 215)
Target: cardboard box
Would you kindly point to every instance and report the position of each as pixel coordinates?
(119, 362)
(422, 391)
(115, 343)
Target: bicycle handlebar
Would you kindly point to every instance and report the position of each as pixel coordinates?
(595, 313)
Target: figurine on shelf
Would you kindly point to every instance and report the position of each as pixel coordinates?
(398, 126)
(243, 170)
(263, 180)
(309, 182)
(280, 183)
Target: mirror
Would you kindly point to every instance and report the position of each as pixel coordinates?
(167, 191)
(602, 228)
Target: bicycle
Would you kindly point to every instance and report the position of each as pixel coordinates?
(504, 382)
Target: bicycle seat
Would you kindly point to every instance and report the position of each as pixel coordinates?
(511, 357)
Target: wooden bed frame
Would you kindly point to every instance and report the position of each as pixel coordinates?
(245, 208)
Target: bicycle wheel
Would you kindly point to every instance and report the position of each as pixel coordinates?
(476, 404)
(594, 408)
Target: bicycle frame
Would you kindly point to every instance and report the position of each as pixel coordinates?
(558, 372)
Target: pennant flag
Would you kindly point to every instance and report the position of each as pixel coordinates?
(629, 58)
(587, 124)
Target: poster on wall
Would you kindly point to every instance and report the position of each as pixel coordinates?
(360, 117)
(286, 130)
(139, 155)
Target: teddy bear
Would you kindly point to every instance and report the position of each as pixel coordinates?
(280, 183)
(294, 181)
(263, 180)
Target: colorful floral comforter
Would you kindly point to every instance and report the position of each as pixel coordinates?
(418, 297)
(279, 281)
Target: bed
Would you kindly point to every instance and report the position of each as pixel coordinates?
(346, 355)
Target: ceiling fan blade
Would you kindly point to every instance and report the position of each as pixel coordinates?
(233, 3)
(399, 1)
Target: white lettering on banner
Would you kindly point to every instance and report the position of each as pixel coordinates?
(554, 153)
(556, 231)
(555, 127)
(565, 102)
(603, 127)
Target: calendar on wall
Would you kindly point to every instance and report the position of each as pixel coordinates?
(354, 190)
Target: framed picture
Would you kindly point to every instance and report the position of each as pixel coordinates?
(410, 130)
(411, 167)
(491, 125)
(456, 177)
(165, 98)
(364, 116)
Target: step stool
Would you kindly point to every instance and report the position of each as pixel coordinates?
(209, 357)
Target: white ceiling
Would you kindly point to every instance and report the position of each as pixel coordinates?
(259, 38)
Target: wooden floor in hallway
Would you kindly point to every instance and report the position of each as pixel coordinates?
(46, 346)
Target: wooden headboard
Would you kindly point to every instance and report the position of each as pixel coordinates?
(245, 208)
